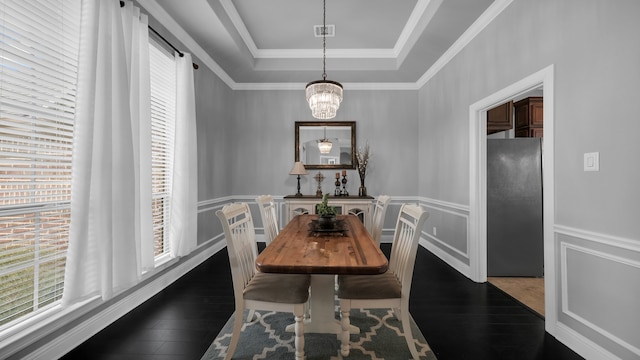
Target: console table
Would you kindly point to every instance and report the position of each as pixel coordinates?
(361, 206)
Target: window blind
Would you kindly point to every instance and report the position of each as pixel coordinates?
(163, 112)
(39, 42)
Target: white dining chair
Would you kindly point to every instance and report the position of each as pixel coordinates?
(377, 221)
(257, 290)
(269, 215)
(391, 289)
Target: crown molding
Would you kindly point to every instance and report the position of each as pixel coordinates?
(174, 28)
(402, 46)
(485, 19)
(331, 53)
(236, 20)
(411, 32)
(346, 86)
(168, 22)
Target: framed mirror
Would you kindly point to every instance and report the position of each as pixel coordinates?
(326, 145)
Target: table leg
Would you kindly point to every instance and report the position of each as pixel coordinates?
(322, 318)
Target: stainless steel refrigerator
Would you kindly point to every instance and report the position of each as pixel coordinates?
(514, 207)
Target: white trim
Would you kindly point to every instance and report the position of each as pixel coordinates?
(565, 291)
(330, 54)
(458, 265)
(441, 204)
(75, 336)
(581, 345)
(167, 21)
(422, 15)
(478, 183)
(609, 240)
(346, 86)
(212, 204)
(402, 45)
(485, 19)
(237, 22)
(457, 210)
(444, 244)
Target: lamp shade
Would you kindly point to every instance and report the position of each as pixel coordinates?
(298, 169)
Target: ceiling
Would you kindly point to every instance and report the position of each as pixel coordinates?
(252, 43)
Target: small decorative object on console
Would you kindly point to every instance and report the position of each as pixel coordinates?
(319, 178)
(344, 191)
(362, 160)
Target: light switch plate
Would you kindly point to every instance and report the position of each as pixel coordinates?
(592, 161)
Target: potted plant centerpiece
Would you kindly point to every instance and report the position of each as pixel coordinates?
(326, 213)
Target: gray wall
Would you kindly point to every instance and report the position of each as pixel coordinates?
(595, 49)
(263, 136)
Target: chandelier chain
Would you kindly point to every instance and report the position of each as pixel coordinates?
(324, 39)
(324, 96)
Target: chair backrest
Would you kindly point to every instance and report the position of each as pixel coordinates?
(241, 244)
(379, 212)
(405, 244)
(269, 217)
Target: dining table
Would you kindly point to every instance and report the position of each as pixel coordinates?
(304, 247)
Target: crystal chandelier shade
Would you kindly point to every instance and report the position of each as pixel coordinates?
(324, 96)
(324, 145)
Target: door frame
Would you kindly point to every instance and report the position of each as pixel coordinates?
(478, 182)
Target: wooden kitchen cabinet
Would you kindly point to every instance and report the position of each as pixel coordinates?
(529, 117)
(500, 118)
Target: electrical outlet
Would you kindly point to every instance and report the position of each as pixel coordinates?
(435, 233)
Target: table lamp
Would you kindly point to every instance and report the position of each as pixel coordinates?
(298, 169)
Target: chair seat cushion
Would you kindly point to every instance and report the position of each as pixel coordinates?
(383, 286)
(278, 288)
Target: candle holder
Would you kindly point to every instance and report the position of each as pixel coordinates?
(337, 192)
(344, 185)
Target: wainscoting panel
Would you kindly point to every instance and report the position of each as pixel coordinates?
(588, 261)
(451, 235)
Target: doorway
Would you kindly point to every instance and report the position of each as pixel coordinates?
(542, 79)
(515, 262)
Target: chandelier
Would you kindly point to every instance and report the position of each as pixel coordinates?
(324, 145)
(324, 96)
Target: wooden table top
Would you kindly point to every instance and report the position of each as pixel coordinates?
(297, 250)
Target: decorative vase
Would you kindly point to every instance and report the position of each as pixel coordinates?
(362, 191)
(327, 221)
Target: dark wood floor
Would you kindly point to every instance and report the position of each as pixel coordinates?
(459, 318)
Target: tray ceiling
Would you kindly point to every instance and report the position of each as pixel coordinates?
(273, 41)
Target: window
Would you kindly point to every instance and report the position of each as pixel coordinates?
(163, 110)
(38, 64)
(39, 46)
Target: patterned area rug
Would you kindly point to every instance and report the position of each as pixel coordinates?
(380, 337)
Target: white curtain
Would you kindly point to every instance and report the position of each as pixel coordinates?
(108, 200)
(137, 47)
(184, 199)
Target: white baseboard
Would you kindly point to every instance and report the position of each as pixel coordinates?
(581, 345)
(461, 267)
(69, 339)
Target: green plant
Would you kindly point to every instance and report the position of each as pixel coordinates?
(324, 209)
